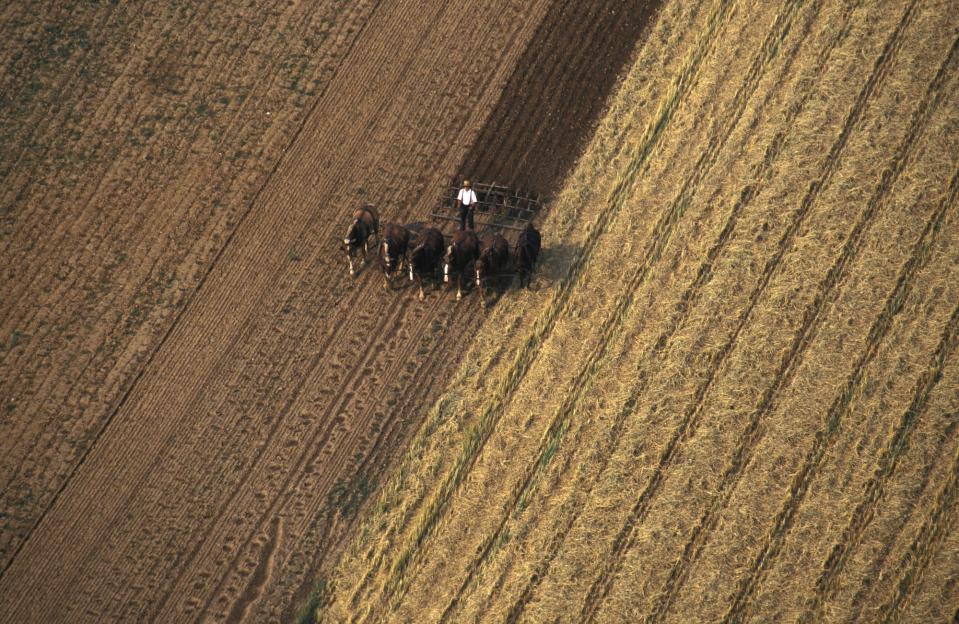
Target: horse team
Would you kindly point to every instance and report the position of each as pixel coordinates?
(424, 254)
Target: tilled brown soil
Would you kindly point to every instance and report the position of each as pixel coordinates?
(197, 399)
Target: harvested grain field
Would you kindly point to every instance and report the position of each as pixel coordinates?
(197, 399)
(736, 397)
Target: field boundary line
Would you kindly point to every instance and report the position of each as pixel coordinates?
(477, 434)
(662, 235)
(801, 482)
(691, 294)
(852, 534)
(187, 305)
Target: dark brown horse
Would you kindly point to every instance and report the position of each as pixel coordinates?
(526, 252)
(365, 226)
(425, 256)
(395, 242)
(463, 250)
(493, 259)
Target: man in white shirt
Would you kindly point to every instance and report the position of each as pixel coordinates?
(466, 202)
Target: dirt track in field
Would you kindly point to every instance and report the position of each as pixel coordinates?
(738, 399)
(196, 397)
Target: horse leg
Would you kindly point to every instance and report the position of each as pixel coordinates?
(349, 259)
(459, 285)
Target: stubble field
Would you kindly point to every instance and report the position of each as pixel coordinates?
(197, 400)
(737, 396)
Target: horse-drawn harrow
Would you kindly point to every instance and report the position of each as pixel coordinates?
(425, 248)
(499, 207)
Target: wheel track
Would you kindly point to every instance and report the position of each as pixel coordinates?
(125, 394)
(691, 295)
(625, 539)
(852, 534)
(417, 392)
(101, 306)
(419, 332)
(389, 320)
(542, 328)
(562, 418)
(412, 388)
(68, 393)
(880, 562)
(557, 537)
(800, 485)
(346, 393)
(508, 126)
(942, 519)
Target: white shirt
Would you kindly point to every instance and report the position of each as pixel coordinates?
(467, 196)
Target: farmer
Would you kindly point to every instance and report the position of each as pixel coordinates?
(466, 202)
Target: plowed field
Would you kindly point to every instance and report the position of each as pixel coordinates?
(738, 397)
(196, 397)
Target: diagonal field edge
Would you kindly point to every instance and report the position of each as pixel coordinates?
(526, 354)
(562, 416)
(691, 295)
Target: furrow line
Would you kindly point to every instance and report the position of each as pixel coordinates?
(784, 519)
(159, 344)
(691, 295)
(357, 293)
(852, 535)
(880, 562)
(526, 354)
(78, 379)
(414, 391)
(836, 275)
(686, 428)
(942, 518)
(323, 435)
(560, 421)
(397, 305)
(283, 492)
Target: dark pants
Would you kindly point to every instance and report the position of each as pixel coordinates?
(466, 214)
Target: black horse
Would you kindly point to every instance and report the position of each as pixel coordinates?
(396, 240)
(365, 225)
(526, 252)
(425, 256)
(493, 259)
(463, 250)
